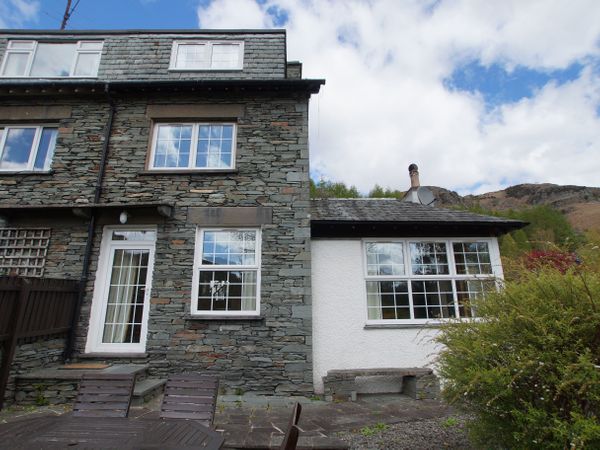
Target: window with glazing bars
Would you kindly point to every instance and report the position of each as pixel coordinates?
(227, 273)
(419, 281)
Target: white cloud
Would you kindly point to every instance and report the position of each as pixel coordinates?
(247, 13)
(385, 104)
(15, 13)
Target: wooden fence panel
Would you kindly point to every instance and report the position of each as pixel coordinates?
(31, 308)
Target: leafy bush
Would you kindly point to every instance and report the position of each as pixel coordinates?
(529, 370)
(554, 259)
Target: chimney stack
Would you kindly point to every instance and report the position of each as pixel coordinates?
(413, 171)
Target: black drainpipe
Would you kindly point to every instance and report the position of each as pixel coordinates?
(85, 270)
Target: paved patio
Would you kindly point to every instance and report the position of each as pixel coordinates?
(260, 422)
(251, 425)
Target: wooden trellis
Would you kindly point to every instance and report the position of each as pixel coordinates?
(23, 251)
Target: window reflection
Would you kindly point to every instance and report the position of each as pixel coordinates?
(53, 60)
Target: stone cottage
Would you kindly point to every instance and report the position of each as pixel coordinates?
(168, 171)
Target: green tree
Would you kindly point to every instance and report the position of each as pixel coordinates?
(547, 225)
(329, 189)
(547, 228)
(379, 192)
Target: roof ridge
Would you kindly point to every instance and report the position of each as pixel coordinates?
(357, 198)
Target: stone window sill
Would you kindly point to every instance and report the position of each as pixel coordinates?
(379, 326)
(221, 318)
(27, 172)
(189, 172)
(93, 355)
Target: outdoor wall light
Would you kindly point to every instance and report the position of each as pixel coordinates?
(124, 217)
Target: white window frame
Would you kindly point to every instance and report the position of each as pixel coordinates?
(32, 52)
(193, 147)
(32, 151)
(102, 283)
(452, 276)
(209, 67)
(198, 267)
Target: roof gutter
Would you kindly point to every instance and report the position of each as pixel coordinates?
(355, 229)
(311, 85)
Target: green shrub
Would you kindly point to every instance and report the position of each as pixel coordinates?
(529, 370)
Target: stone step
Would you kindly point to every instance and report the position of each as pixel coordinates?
(57, 385)
(60, 373)
(146, 390)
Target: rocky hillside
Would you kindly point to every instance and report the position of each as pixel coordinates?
(580, 204)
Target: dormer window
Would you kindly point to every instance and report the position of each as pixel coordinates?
(207, 55)
(51, 59)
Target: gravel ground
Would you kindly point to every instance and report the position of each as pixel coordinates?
(445, 433)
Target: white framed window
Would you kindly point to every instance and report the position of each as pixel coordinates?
(422, 281)
(51, 59)
(207, 55)
(27, 147)
(226, 277)
(193, 146)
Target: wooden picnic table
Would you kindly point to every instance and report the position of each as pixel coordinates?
(68, 431)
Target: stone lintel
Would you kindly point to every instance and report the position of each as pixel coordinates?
(195, 111)
(243, 216)
(47, 112)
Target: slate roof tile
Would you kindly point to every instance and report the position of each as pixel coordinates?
(392, 210)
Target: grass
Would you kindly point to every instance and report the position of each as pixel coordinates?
(375, 429)
(450, 422)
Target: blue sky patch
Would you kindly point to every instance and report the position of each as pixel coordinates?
(348, 35)
(499, 86)
(280, 16)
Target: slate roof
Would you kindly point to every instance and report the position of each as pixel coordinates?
(403, 214)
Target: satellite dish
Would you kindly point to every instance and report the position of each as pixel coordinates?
(425, 196)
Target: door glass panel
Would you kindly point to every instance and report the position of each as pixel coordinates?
(125, 302)
(137, 235)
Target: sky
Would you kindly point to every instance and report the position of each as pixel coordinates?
(481, 95)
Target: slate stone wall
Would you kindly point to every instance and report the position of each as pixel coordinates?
(31, 356)
(146, 56)
(271, 354)
(76, 157)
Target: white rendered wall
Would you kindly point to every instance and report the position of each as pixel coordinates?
(340, 340)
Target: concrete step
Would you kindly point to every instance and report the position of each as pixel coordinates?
(147, 389)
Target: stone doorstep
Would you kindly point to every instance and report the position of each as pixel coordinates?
(65, 382)
(147, 389)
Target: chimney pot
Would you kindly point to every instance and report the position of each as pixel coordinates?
(413, 171)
